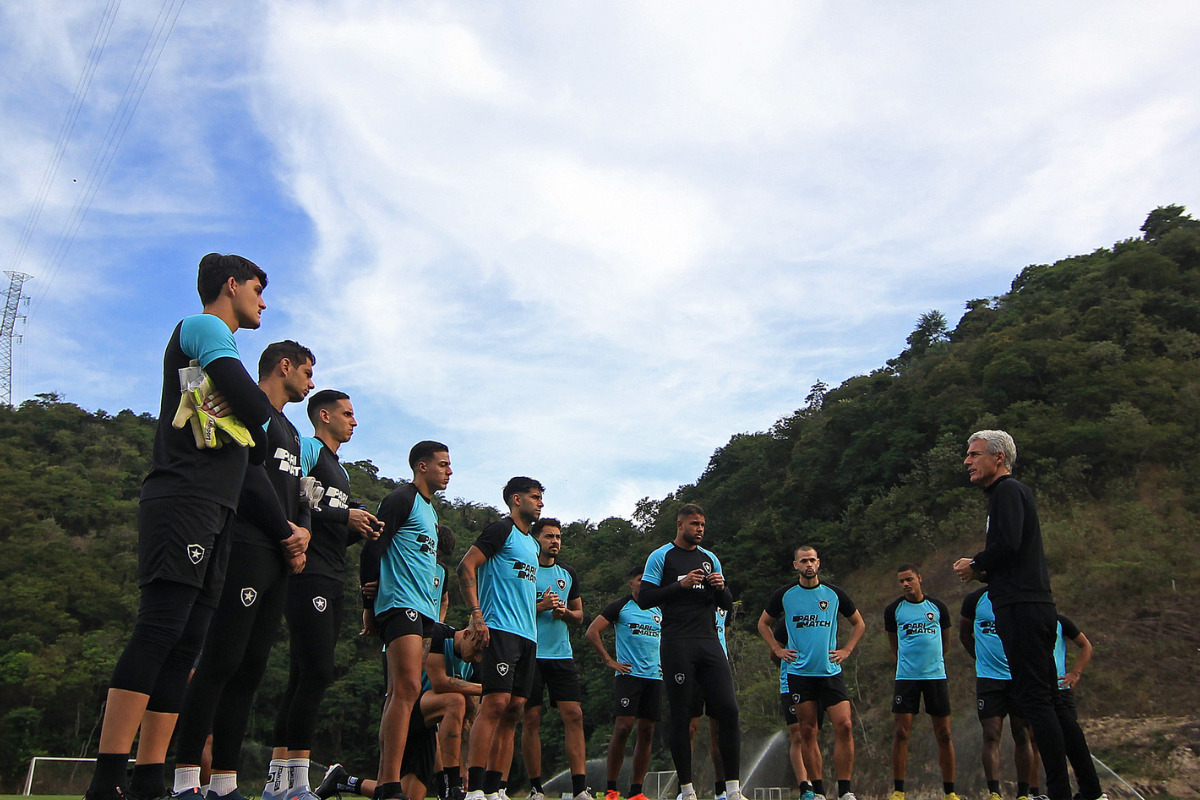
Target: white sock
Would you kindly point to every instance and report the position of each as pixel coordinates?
(733, 786)
(186, 779)
(205, 788)
(686, 789)
(275, 776)
(223, 783)
(297, 771)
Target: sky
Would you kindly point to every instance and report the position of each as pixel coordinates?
(586, 242)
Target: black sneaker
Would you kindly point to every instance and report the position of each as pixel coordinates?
(334, 783)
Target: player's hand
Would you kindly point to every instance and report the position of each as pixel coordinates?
(296, 563)
(364, 524)
(784, 654)
(693, 578)
(624, 669)
(369, 590)
(216, 405)
(480, 628)
(548, 601)
(964, 570)
(297, 543)
(716, 580)
(1068, 681)
(838, 656)
(368, 623)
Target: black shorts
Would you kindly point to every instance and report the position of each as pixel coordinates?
(1066, 699)
(908, 694)
(637, 697)
(185, 540)
(508, 665)
(397, 622)
(788, 706)
(420, 750)
(994, 698)
(825, 690)
(560, 676)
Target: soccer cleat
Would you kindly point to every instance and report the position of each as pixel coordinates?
(722, 796)
(848, 796)
(639, 796)
(478, 795)
(457, 793)
(267, 794)
(897, 795)
(187, 794)
(333, 783)
(612, 794)
(952, 796)
(807, 795)
(534, 795)
(586, 794)
(302, 794)
(234, 795)
(502, 794)
(997, 796)
(732, 796)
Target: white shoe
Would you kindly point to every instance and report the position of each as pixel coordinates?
(722, 796)
(537, 795)
(848, 796)
(689, 796)
(475, 795)
(584, 795)
(503, 793)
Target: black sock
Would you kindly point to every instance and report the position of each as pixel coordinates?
(843, 787)
(947, 787)
(109, 776)
(898, 785)
(578, 783)
(491, 781)
(635, 789)
(1022, 788)
(535, 783)
(805, 786)
(475, 779)
(994, 786)
(819, 786)
(718, 788)
(503, 784)
(1034, 790)
(388, 790)
(453, 778)
(148, 780)
(611, 787)
(351, 786)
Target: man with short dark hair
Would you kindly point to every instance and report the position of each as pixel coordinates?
(407, 599)
(314, 597)
(271, 510)
(1013, 562)
(814, 663)
(187, 507)
(498, 579)
(918, 627)
(559, 605)
(637, 687)
(685, 581)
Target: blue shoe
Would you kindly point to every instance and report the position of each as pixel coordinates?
(807, 795)
(234, 795)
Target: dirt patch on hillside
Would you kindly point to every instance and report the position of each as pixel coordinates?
(1158, 756)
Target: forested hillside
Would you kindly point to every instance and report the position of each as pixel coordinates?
(1092, 363)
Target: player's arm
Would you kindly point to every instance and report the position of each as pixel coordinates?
(889, 625)
(1071, 631)
(857, 628)
(894, 644)
(444, 608)
(260, 506)
(1006, 525)
(766, 629)
(444, 683)
(468, 570)
(572, 613)
(966, 635)
(593, 635)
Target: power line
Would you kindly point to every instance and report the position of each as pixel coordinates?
(8, 334)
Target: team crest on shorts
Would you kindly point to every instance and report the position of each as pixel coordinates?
(319, 603)
(502, 668)
(562, 584)
(795, 698)
(824, 604)
(680, 677)
(195, 553)
(624, 702)
(899, 699)
(981, 704)
(411, 614)
(929, 615)
(249, 595)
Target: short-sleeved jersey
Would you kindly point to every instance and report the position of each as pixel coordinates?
(177, 467)
(1066, 630)
(918, 628)
(439, 582)
(508, 579)
(990, 661)
(282, 467)
(689, 614)
(326, 555)
(781, 636)
(553, 635)
(408, 569)
(638, 631)
(442, 641)
(811, 619)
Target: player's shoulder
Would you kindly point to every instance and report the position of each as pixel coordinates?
(660, 553)
(204, 328)
(843, 597)
(890, 609)
(567, 568)
(705, 551)
(938, 603)
(971, 602)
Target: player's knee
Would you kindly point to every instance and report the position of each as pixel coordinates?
(622, 727)
(900, 733)
(571, 714)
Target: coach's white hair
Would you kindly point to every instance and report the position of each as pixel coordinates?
(997, 442)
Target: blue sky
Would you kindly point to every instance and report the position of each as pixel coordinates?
(586, 242)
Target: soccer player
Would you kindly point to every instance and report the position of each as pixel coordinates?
(559, 605)
(498, 579)
(271, 509)
(714, 751)
(447, 694)
(814, 663)
(788, 705)
(685, 581)
(1013, 562)
(918, 629)
(187, 507)
(1066, 683)
(314, 597)
(637, 687)
(993, 692)
(408, 598)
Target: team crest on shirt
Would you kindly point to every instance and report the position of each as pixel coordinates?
(319, 603)
(562, 584)
(249, 595)
(824, 604)
(624, 702)
(502, 668)
(680, 678)
(195, 553)
(411, 614)
(437, 582)
(657, 619)
(707, 567)
(929, 615)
